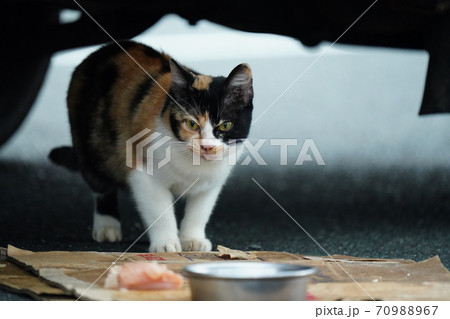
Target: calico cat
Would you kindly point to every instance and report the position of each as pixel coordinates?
(112, 100)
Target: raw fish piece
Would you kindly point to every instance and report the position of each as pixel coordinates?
(142, 276)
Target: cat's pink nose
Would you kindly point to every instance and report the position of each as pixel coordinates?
(207, 148)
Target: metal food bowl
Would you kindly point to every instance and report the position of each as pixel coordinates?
(237, 280)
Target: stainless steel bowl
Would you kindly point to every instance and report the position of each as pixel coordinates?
(238, 280)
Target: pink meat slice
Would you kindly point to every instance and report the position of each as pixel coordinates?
(142, 276)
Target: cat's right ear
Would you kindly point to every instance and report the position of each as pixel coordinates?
(180, 77)
(239, 85)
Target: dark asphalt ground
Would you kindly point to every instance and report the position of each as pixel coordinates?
(388, 213)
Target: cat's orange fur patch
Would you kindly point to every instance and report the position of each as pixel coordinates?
(203, 119)
(151, 106)
(201, 82)
(247, 70)
(186, 133)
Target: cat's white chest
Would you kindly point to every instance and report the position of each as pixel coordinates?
(181, 177)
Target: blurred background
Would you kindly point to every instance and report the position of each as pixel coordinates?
(383, 193)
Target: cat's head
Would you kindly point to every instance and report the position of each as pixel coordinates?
(208, 114)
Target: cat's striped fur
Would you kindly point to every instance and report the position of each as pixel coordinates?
(111, 99)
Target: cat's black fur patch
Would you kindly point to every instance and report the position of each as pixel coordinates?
(152, 53)
(110, 76)
(65, 156)
(141, 91)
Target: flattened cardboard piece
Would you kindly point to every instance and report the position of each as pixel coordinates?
(380, 279)
(15, 279)
(88, 260)
(60, 259)
(384, 291)
(348, 259)
(348, 269)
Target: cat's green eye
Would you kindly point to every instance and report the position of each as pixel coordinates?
(192, 125)
(225, 126)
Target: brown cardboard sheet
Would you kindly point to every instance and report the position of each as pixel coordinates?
(82, 275)
(15, 279)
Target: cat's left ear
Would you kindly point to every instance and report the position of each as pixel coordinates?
(180, 77)
(239, 85)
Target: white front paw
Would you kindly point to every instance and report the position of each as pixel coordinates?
(165, 245)
(107, 234)
(196, 244)
(106, 229)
